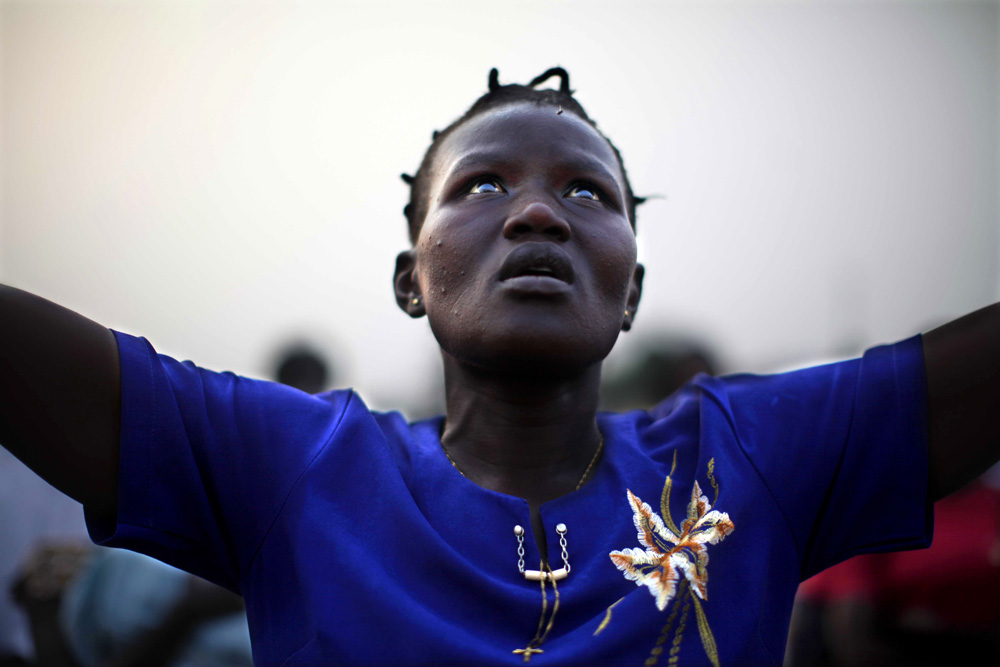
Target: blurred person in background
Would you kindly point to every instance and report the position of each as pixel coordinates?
(653, 372)
(92, 607)
(523, 524)
(937, 606)
(31, 511)
(129, 610)
(303, 367)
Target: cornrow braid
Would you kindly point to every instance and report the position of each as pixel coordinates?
(499, 95)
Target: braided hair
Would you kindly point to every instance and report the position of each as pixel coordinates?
(500, 95)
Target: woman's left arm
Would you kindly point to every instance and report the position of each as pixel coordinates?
(962, 359)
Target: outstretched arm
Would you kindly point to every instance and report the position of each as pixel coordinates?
(962, 359)
(60, 397)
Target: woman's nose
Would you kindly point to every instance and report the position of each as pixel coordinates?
(539, 218)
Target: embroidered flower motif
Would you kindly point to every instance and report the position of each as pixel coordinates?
(668, 555)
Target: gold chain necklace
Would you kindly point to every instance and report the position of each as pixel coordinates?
(586, 473)
(544, 572)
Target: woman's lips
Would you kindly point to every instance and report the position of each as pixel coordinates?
(537, 263)
(536, 284)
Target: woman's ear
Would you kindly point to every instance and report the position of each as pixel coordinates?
(409, 296)
(634, 294)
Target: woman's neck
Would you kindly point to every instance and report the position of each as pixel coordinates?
(528, 437)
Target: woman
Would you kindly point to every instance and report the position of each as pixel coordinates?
(523, 526)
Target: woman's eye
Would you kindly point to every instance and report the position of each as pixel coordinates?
(486, 186)
(584, 191)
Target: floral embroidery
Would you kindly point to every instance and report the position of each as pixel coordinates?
(667, 555)
(676, 560)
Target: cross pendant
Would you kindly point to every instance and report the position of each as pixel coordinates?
(527, 651)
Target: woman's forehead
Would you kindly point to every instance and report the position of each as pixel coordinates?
(527, 131)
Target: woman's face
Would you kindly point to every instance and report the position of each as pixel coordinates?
(526, 260)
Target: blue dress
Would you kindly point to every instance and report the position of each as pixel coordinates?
(354, 541)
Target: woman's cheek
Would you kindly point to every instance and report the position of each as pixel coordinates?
(444, 272)
(617, 268)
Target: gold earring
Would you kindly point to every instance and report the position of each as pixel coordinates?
(416, 301)
(626, 313)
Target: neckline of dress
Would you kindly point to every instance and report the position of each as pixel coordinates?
(429, 438)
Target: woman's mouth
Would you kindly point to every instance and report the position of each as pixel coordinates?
(537, 263)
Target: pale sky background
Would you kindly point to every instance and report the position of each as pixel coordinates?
(222, 177)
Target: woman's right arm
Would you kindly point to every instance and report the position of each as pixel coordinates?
(60, 397)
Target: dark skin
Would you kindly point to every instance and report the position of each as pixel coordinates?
(522, 359)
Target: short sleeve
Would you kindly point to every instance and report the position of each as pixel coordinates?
(842, 448)
(206, 460)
